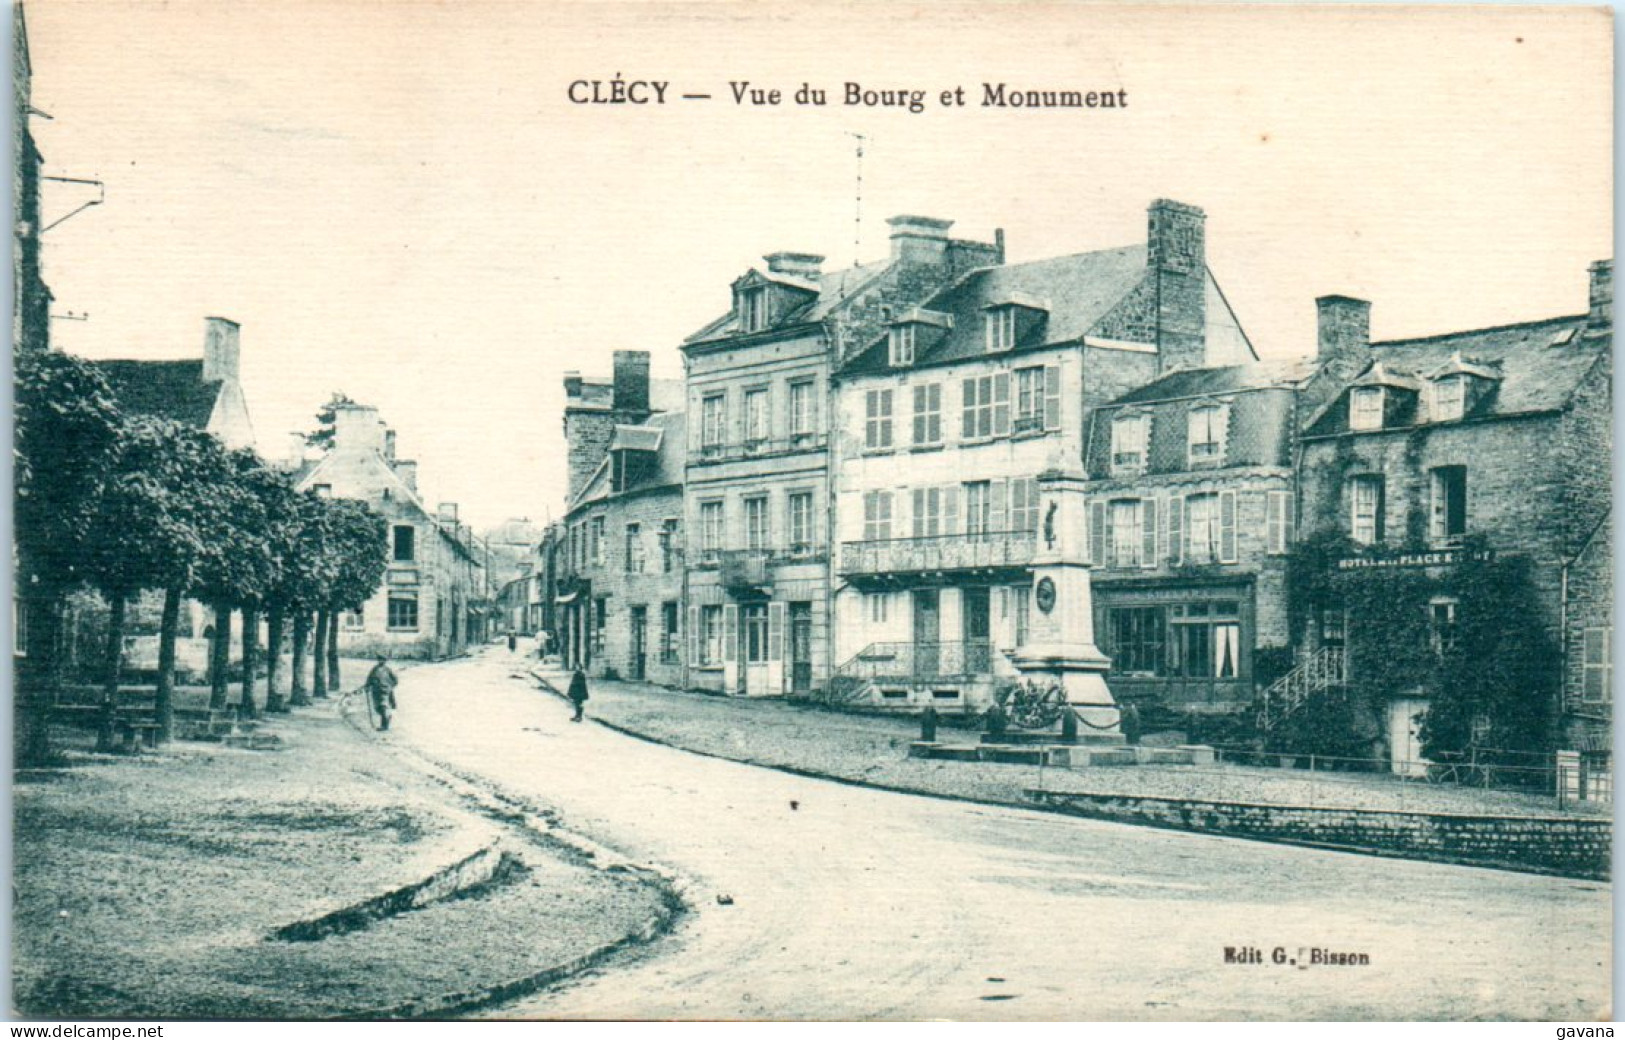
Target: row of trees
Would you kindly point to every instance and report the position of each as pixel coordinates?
(125, 504)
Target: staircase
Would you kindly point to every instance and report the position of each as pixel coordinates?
(1320, 671)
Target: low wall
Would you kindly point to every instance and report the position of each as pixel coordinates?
(1534, 844)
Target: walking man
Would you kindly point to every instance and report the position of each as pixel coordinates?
(578, 693)
(381, 691)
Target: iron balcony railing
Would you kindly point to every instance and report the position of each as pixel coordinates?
(901, 661)
(950, 552)
(759, 447)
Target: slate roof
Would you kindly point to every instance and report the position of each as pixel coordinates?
(1080, 290)
(1202, 382)
(668, 431)
(636, 438)
(833, 289)
(167, 389)
(1540, 364)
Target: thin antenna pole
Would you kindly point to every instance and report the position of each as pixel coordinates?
(857, 219)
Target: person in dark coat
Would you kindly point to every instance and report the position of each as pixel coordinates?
(578, 693)
(381, 691)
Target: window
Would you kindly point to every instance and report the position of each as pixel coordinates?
(1449, 398)
(713, 416)
(405, 537)
(799, 507)
(1442, 624)
(756, 415)
(600, 623)
(1038, 399)
(1020, 600)
(598, 525)
(876, 516)
(933, 511)
(1597, 678)
(710, 526)
(877, 426)
(353, 620)
(1024, 505)
(403, 612)
(1366, 526)
(986, 403)
(801, 409)
(1278, 521)
(1126, 531)
(901, 339)
(1205, 640)
(1365, 408)
(322, 490)
(978, 507)
(1136, 639)
(1128, 443)
(753, 310)
(1202, 528)
(634, 549)
(876, 607)
(710, 635)
(928, 414)
(753, 616)
(668, 546)
(670, 637)
(1000, 325)
(1447, 504)
(756, 528)
(1205, 427)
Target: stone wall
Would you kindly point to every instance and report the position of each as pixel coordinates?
(1539, 845)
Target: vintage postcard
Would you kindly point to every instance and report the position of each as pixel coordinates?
(836, 511)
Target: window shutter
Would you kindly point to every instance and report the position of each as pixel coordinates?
(730, 633)
(1052, 397)
(1148, 519)
(1097, 533)
(967, 411)
(775, 631)
(919, 414)
(1275, 523)
(1288, 519)
(950, 510)
(1382, 508)
(694, 656)
(1227, 527)
(998, 491)
(1176, 529)
(1001, 404)
(919, 512)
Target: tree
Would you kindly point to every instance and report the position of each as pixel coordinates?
(304, 569)
(359, 543)
(326, 416)
(234, 566)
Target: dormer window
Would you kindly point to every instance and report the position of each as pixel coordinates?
(753, 309)
(902, 345)
(1365, 408)
(1128, 444)
(1449, 398)
(1001, 328)
(1206, 426)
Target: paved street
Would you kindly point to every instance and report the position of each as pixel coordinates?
(868, 904)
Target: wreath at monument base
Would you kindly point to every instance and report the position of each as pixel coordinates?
(1032, 703)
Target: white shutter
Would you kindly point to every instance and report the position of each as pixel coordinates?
(1001, 404)
(1176, 529)
(1227, 527)
(1097, 533)
(775, 631)
(1148, 520)
(730, 633)
(694, 655)
(1052, 397)
(998, 491)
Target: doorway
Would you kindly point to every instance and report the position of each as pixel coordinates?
(638, 665)
(927, 632)
(977, 617)
(800, 647)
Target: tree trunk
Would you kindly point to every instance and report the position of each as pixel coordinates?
(301, 643)
(167, 629)
(276, 622)
(251, 637)
(333, 681)
(319, 678)
(219, 656)
(113, 663)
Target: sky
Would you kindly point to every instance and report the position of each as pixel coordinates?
(400, 201)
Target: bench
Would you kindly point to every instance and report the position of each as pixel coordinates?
(134, 725)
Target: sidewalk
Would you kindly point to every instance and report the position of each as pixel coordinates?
(873, 750)
(152, 886)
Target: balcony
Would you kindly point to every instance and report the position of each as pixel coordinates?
(908, 661)
(760, 448)
(745, 568)
(997, 550)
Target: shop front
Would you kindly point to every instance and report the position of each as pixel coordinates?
(1184, 647)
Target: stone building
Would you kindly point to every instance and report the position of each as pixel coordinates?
(944, 420)
(1190, 521)
(757, 499)
(204, 392)
(432, 602)
(1437, 454)
(619, 560)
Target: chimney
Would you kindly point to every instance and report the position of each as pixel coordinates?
(1602, 293)
(220, 348)
(919, 240)
(1176, 259)
(356, 428)
(1345, 326)
(448, 512)
(407, 470)
(632, 382)
(572, 385)
(389, 445)
(296, 449)
(797, 265)
(998, 243)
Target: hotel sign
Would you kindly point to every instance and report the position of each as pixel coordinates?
(1431, 558)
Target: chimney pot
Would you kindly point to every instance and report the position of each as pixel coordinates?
(220, 350)
(919, 239)
(1602, 292)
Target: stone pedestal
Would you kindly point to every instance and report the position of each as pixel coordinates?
(1060, 648)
